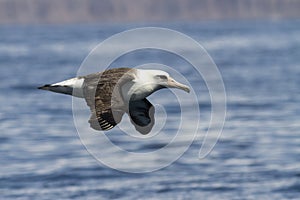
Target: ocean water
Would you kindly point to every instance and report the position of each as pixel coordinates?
(256, 157)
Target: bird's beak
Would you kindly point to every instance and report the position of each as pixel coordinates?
(174, 84)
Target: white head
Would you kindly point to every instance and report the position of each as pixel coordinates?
(150, 81)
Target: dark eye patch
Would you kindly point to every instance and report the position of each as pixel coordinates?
(162, 77)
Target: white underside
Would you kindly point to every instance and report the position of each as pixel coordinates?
(139, 88)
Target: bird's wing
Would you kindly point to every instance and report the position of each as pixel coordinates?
(141, 113)
(103, 96)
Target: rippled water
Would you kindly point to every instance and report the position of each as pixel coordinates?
(257, 156)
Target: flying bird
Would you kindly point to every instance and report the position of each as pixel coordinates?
(111, 93)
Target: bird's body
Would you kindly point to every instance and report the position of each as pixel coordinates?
(112, 93)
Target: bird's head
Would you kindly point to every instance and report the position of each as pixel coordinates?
(162, 80)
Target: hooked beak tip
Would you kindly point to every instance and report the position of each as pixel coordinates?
(174, 84)
(187, 89)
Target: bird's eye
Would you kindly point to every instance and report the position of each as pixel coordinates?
(163, 77)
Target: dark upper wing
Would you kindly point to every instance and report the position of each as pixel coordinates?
(105, 120)
(141, 113)
(102, 94)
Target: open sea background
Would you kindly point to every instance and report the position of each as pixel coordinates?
(257, 156)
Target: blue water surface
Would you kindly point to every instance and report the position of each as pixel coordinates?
(257, 156)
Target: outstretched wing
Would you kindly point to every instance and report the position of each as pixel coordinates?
(104, 120)
(141, 113)
(103, 96)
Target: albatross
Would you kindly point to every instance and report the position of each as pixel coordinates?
(113, 92)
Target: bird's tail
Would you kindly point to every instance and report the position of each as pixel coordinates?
(71, 87)
(57, 88)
